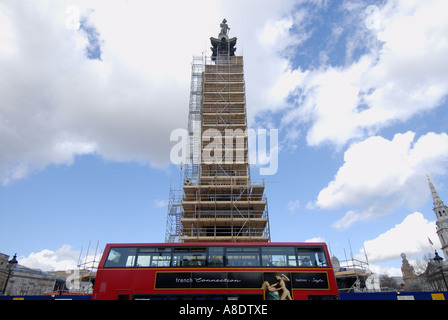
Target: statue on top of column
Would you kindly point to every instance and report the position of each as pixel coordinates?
(224, 29)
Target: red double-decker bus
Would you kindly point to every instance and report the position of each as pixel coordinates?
(215, 271)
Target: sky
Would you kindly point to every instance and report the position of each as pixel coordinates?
(90, 92)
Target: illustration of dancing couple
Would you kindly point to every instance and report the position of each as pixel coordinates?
(272, 290)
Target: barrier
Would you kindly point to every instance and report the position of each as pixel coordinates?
(48, 297)
(435, 295)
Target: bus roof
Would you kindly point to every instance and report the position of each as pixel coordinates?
(216, 244)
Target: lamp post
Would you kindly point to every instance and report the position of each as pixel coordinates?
(438, 260)
(11, 265)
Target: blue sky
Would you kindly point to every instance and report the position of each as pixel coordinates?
(91, 90)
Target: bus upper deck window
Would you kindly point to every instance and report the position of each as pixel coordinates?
(278, 257)
(121, 257)
(216, 257)
(311, 257)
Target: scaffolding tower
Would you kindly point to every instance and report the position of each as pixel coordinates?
(218, 201)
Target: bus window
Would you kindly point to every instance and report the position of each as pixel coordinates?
(189, 257)
(144, 257)
(278, 257)
(311, 257)
(243, 257)
(216, 257)
(153, 257)
(161, 257)
(121, 258)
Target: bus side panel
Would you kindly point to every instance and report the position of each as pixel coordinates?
(143, 281)
(110, 282)
(333, 284)
(315, 294)
(98, 283)
(115, 284)
(123, 295)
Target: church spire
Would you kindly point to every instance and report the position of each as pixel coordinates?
(441, 211)
(435, 197)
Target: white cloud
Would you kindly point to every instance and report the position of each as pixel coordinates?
(388, 270)
(347, 220)
(6, 40)
(378, 175)
(268, 51)
(273, 30)
(56, 103)
(330, 99)
(409, 237)
(293, 206)
(160, 203)
(47, 260)
(316, 239)
(402, 73)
